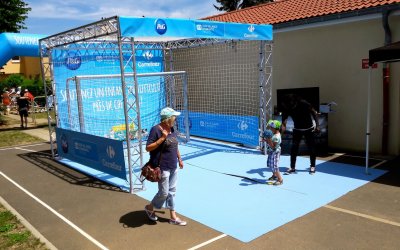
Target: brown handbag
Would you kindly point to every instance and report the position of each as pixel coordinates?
(151, 173)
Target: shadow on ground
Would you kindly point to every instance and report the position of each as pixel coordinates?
(43, 159)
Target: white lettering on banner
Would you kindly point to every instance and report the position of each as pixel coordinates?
(206, 27)
(72, 95)
(108, 91)
(111, 165)
(243, 136)
(24, 40)
(118, 104)
(149, 88)
(82, 147)
(102, 106)
(149, 64)
(90, 93)
(207, 124)
(110, 105)
(250, 35)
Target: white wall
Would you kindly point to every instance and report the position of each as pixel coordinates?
(330, 57)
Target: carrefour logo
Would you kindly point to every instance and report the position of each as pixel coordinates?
(73, 61)
(251, 28)
(147, 54)
(110, 152)
(161, 26)
(242, 125)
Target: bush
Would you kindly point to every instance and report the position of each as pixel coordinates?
(35, 86)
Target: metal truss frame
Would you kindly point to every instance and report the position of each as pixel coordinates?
(105, 35)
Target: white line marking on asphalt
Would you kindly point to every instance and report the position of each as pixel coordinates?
(56, 213)
(30, 145)
(208, 242)
(378, 164)
(364, 215)
(25, 149)
(355, 156)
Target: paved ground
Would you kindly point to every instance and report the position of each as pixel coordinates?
(74, 211)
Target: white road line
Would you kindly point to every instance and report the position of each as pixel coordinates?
(355, 156)
(56, 213)
(30, 145)
(364, 215)
(25, 149)
(378, 164)
(208, 242)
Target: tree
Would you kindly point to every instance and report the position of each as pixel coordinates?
(12, 15)
(230, 5)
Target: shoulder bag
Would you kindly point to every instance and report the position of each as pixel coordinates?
(150, 172)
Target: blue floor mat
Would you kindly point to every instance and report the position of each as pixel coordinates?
(223, 187)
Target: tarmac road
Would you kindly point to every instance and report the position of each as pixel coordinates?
(74, 211)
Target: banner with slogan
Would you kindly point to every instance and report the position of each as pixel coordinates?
(102, 99)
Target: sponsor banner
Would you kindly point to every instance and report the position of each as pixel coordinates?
(206, 29)
(248, 31)
(99, 153)
(102, 99)
(172, 28)
(232, 128)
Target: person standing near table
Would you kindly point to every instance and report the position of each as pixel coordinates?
(305, 119)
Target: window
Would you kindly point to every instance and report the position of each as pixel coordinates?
(15, 59)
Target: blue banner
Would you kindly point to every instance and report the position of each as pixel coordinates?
(102, 99)
(99, 153)
(173, 28)
(232, 128)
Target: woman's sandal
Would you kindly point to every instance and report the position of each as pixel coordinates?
(177, 222)
(151, 214)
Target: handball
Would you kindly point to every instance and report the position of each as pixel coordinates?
(267, 134)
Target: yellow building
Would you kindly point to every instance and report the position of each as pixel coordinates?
(29, 67)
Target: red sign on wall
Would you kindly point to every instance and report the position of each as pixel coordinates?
(365, 62)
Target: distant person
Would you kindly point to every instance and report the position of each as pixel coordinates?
(23, 108)
(162, 144)
(305, 120)
(29, 95)
(6, 100)
(273, 140)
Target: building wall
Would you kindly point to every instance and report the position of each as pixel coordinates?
(30, 67)
(27, 66)
(329, 57)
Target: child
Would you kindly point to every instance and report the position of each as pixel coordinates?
(274, 151)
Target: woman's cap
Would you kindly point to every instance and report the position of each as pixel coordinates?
(168, 112)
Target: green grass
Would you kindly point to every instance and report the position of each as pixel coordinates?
(14, 236)
(16, 137)
(12, 135)
(43, 115)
